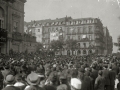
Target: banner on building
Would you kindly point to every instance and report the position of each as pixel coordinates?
(54, 36)
(55, 33)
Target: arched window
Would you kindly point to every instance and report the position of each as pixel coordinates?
(68, 52)
(1, 18)
(90, 51)
(84, 51)
(78, 52)
(78, 44)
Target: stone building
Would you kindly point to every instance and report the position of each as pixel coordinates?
(91, 36)
(12, 20)
(108, 41)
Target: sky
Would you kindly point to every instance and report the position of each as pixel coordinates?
(107, 10)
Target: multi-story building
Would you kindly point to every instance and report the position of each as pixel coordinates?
(108, 41)
(35, 28)
(118, 41)
(88, 32)
(12, 20)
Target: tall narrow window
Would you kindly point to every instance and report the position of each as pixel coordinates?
(84, 30)
(68, 37)
(38, 30)
(0, 24)
(84, 51)
(90, 29)
(2, 17)
(78, 30)
(68, 31)
(15, 27)
(79, 38)
(90, 37)
(78, 44)
(84, 44)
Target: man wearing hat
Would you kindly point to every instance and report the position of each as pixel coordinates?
(10, 80)
(63, 83)
(19, 82)
(33, 80)
(99, 82)
(106, 75)
(75, 84)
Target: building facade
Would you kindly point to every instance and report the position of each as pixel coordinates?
(108, 41)
(88, 32)
(12, 21)
(91, 36)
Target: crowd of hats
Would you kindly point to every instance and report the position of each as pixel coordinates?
(35, 69)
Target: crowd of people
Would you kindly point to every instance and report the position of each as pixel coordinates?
(22, 71)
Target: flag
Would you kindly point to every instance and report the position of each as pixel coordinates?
(84, 36)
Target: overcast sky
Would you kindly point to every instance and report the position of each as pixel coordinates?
(107, 10)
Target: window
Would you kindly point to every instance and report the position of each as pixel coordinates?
(52, 29)
(38, 30)
(90, 37)
(85, 21)
(73, 30)
(84, 51)
(78, 52)
(90, 29)
(78, 29)
(79, 38)
(68, 37)
(84, 44)
(78, 44)
(15, 26)
(84, 30)
(1, 18)
(60, 30)
(68, 31)
(90, 51)
(49, 29)
(56, 29)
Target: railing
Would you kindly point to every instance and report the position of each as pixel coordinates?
(3, 35)
(29, 38)
(17, 36)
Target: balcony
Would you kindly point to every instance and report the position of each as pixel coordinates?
(17, 36)
(29, 38)
(3, 35)
(97, 32)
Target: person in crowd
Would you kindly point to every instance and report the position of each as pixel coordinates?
(99, 81)
(33, 81)
(75, 84)
(19, 82)
(36, 71)
(106, 75)
(112, 78)
(63, 83)
(118, 85)
(10, 80)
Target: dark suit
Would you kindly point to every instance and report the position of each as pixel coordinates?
(99, 83)
(94, 75)
(112, 80)
(11, 88)
(106, 75)
(86, 83)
